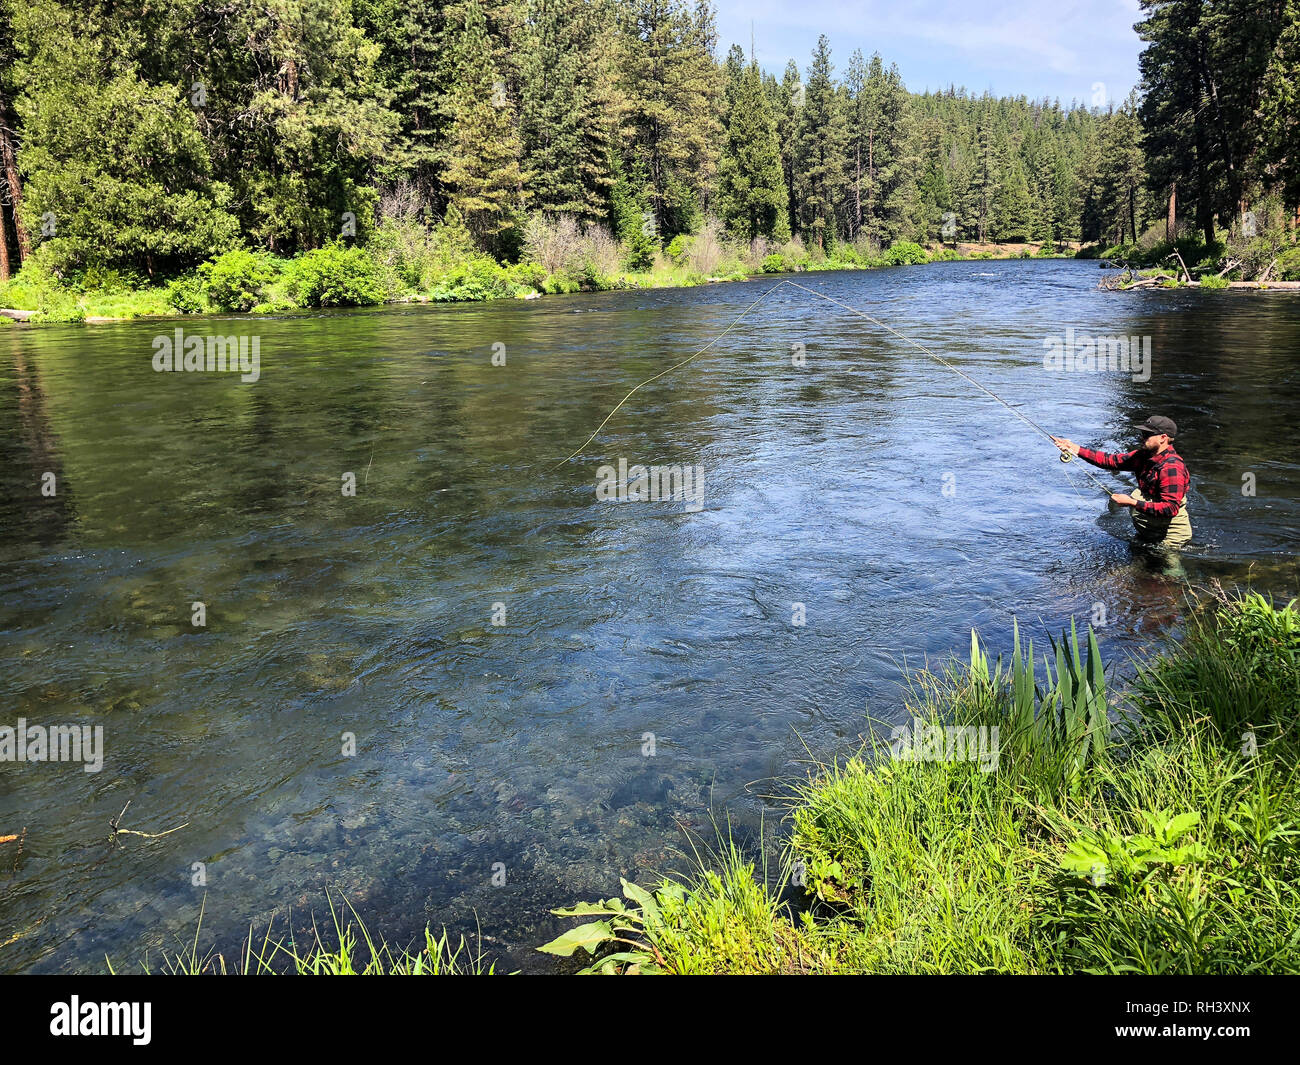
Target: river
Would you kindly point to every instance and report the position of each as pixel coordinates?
(547, 690)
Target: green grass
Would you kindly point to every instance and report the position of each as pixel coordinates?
(348, 949)
(1162, 838)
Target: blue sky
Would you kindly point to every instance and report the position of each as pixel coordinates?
(1071, 50)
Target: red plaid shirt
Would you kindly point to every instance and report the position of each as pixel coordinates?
(1163, 478)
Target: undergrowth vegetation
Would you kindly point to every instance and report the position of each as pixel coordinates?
(405, 258)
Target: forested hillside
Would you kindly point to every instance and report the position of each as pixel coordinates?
(149, 137)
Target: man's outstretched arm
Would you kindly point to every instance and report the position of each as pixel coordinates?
(1119, 460)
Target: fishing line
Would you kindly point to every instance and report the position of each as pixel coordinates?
(735, 322)
(852, 310)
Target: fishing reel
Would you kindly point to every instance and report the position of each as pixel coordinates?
(1066, 456)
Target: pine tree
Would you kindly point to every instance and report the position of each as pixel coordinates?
(787, 99)
(1279, 131)
(672, 89)
(751, 190)
(985, 182)
(483, 171)
(819, 157)
(416, 42)
(892, 204)
(568, 112)
(934, 195)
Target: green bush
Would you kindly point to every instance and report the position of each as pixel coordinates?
(1212, 281)
(186, 294)
(236, 281)
(105, 280)
(591, 279)
(905, 253)
(559, 284)
(1288, 265)
(774, 263)
(334, 276)
(478, 279)
(527, 275)
(34, 282)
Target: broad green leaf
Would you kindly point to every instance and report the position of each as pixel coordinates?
(643, 898)
(1180, 825)
(1082, 857)
(586, 937)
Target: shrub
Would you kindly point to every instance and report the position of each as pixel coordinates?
(1288, 265)
(678, 248)
(601, 250)
(105, 280)
(706, 248)
(1213, 281)
(35, 281)
(401, 250)
(334, 276)
(774, 263)
(554, 242)
(794, 255)
(237, 280)
(527, 275)
(559, 284)
(186, 294)
(905, 253)
(479, 278)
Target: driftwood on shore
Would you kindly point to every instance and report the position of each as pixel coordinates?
(1128, 279)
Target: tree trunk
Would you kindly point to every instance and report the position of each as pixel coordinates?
(871, 175)
(9, 161)
(857, 187)
(1171, 219)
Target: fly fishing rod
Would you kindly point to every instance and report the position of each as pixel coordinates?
(1065, 455)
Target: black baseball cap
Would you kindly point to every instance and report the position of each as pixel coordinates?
(1155, 424)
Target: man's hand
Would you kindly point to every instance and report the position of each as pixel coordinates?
(1123, 500)
(1066, 445)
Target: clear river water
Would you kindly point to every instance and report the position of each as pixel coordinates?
(506, 648)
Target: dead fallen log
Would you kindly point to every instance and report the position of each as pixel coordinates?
(1187, 277)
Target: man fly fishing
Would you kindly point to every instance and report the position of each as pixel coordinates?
(1160, 501)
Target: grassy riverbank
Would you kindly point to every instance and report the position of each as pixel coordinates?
(407, 261)
(1165, 842)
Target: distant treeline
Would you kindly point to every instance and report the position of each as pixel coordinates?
(147, 136)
